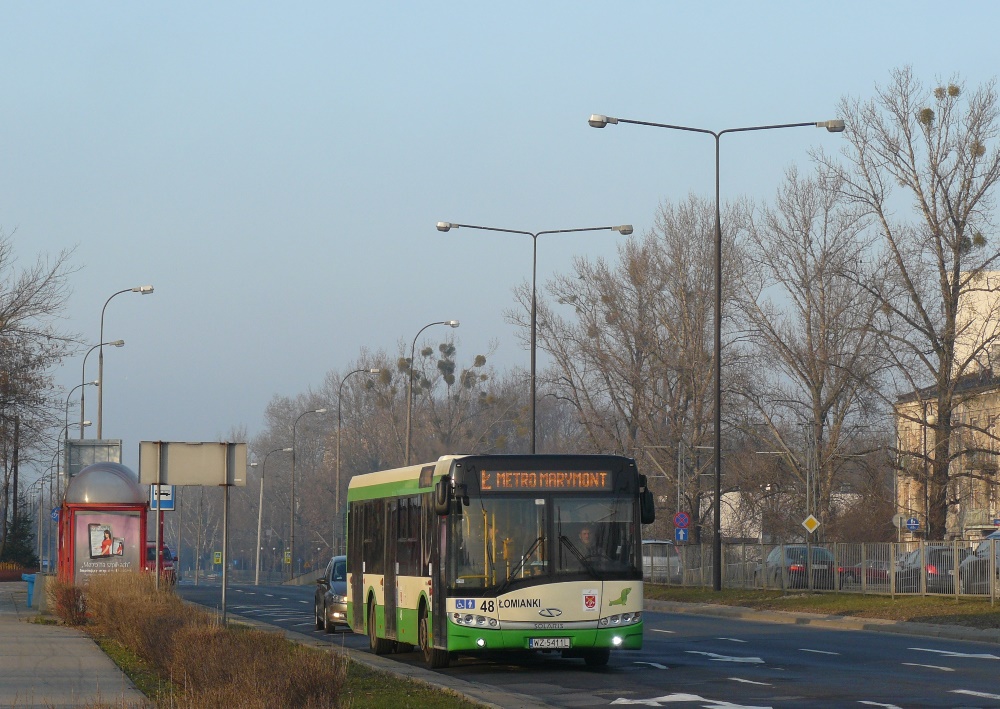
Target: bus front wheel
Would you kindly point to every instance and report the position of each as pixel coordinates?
(435, 658)
(597, 658)
(378, 645)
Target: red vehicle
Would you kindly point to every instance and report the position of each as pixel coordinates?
(168, 572)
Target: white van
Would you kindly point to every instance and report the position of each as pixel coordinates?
(660, 562)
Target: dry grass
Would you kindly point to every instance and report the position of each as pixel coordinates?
(199, 662)
(938, 609)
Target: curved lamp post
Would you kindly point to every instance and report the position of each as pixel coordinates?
(336, 494)
(833, 126)
(83, 373)
(624, 229)
(409, 381)
(291, 526)
(144, 290)
(260, 510)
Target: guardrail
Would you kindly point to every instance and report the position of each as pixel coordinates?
(957, 567)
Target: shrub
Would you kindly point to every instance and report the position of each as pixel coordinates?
(67, 602)
(211, 665)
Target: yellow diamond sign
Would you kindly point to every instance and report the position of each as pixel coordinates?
(811, 524)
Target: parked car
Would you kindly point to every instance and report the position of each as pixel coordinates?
(786, 567)
(168, 571)
(874, 571)
(331, 596)
(660, 561)
(974, 571)
(936, 563)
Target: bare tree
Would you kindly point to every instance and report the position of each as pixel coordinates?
(816, 373)
(31, 345)
(938, 146)
(633, 355)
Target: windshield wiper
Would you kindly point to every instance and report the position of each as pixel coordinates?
(563, 539)
(524, 557)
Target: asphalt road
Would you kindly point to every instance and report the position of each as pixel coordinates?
(696, 661)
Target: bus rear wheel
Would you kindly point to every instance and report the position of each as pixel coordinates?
(379, 646)
(435, 659)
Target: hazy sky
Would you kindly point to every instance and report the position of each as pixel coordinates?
(276, 170)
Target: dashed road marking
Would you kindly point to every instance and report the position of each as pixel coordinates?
(732, 640)
(818, 652)
(949, 653)
(750, 681)
(981, 695)
(930, 667)
(726, 658)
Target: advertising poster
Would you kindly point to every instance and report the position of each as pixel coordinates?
(107, 541)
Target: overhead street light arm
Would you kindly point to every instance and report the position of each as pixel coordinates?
(409, 380)
(834, 126)
(625, 229)
(142, 290)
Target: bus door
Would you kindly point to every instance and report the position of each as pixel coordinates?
(439, 601)
(356, 523)
(391, 567)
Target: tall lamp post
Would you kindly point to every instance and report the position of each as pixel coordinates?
(625, 229)
(83, 374)
(144, 290)
(833, 126)
(291, 525)
(336, 492)
(409, 383)
(260, 510)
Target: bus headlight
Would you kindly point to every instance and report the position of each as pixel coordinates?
(620, 619)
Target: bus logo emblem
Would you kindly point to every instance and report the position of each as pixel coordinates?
(590, 600)
(550, 612)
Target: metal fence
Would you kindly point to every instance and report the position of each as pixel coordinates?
(957, 567)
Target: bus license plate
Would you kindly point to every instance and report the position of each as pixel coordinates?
(548, 643)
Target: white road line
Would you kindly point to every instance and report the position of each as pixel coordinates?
(657, 665)
(732, 640)
(981, 695)
(750, 681)
(305, 601)
(930, 667)
(949, 653)
(300, 624)
(880, 704)
(676, 698)
(657, 630)
(818, 652)
(726, 658)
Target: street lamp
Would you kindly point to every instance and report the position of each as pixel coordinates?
(625, 229)
(833, 126)
(291, 535)
(336, 493)
(260, 511)
(144, 290)
(83, 373)
(409, 384)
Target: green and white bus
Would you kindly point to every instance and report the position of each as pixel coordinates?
(486, 553)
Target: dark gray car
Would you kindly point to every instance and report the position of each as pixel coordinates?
(331, 596)
(978, 572)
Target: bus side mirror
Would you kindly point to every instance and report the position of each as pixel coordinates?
(441, 497)
(647, 510)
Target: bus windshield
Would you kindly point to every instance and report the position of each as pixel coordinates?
(499, 540)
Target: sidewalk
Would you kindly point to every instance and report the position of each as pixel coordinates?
(54, 665)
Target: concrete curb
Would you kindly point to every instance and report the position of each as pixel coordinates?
(834, 622)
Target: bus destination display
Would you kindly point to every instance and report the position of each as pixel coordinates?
(544, 480)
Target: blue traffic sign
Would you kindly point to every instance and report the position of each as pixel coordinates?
(682, 520)
(680, 535)
(913, 524)
(54, 514)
